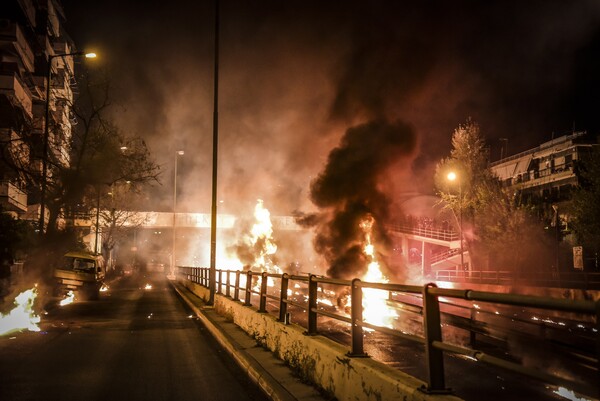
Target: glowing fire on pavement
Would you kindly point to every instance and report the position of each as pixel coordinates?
(22, 317)
(68, 300)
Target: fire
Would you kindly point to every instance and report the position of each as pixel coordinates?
(68, 300)
(22, 316)
(148, 287)
(263, 229)
(260, 240)
(262, 233)
(375, 308)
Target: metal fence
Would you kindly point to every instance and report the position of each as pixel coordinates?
(228, 283)
(574, 280)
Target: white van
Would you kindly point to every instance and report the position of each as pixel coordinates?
(81, 272)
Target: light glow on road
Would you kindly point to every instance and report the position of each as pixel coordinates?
(569, 394)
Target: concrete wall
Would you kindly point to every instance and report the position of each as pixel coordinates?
(320, 360)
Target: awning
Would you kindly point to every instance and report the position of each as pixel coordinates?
(522, 165)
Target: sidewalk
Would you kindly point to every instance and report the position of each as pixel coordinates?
(270, 373)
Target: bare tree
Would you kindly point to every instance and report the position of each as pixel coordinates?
(99, 155)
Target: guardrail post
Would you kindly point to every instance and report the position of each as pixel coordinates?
(472, 332)
(285, 278)
(227, 284)
(433, 332)
(262, 308)
(219, 282)
(598, 347)
(357, 318)
(248, 288)
(312, 306)
(236, 290)
(203, 277)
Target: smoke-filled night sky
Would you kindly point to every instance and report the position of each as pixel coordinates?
(296, 76)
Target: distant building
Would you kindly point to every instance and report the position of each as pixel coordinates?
(548, 172)
(31, 31)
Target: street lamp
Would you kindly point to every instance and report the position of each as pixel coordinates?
(452, 176)
(47, 132)
(177, 154)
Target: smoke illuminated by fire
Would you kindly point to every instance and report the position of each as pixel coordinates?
(22, 316)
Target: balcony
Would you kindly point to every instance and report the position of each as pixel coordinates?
(12, 198)
(16, 93)
(13, 40)
(17, 149)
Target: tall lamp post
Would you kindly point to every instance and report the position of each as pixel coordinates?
(177, 154)
(212, 273)
(47, 132)
(453, 177)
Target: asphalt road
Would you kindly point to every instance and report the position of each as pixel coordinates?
(132, 344)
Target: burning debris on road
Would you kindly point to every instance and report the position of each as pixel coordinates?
(22, 316)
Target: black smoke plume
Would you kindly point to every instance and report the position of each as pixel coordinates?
(348, 190)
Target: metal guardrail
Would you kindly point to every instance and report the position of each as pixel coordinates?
(579, 280)
(444, 256)
(430, 294)
(434, 233)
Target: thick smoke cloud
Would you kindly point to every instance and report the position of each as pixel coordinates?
(347, 192)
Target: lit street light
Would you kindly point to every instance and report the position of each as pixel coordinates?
(47, 132)
(453, 177)
(177, 154)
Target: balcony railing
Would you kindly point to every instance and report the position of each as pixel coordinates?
(13, 198)
(11, 86)
(13, 33)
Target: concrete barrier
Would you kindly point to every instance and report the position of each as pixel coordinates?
(319, 360)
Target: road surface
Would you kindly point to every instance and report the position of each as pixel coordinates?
(132, 344)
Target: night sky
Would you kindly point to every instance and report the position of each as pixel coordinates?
(296, 75)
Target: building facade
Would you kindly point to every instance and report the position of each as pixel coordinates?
(32, 38)
(547, 172)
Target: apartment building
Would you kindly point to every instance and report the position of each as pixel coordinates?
(547, 172)
(31, 37)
